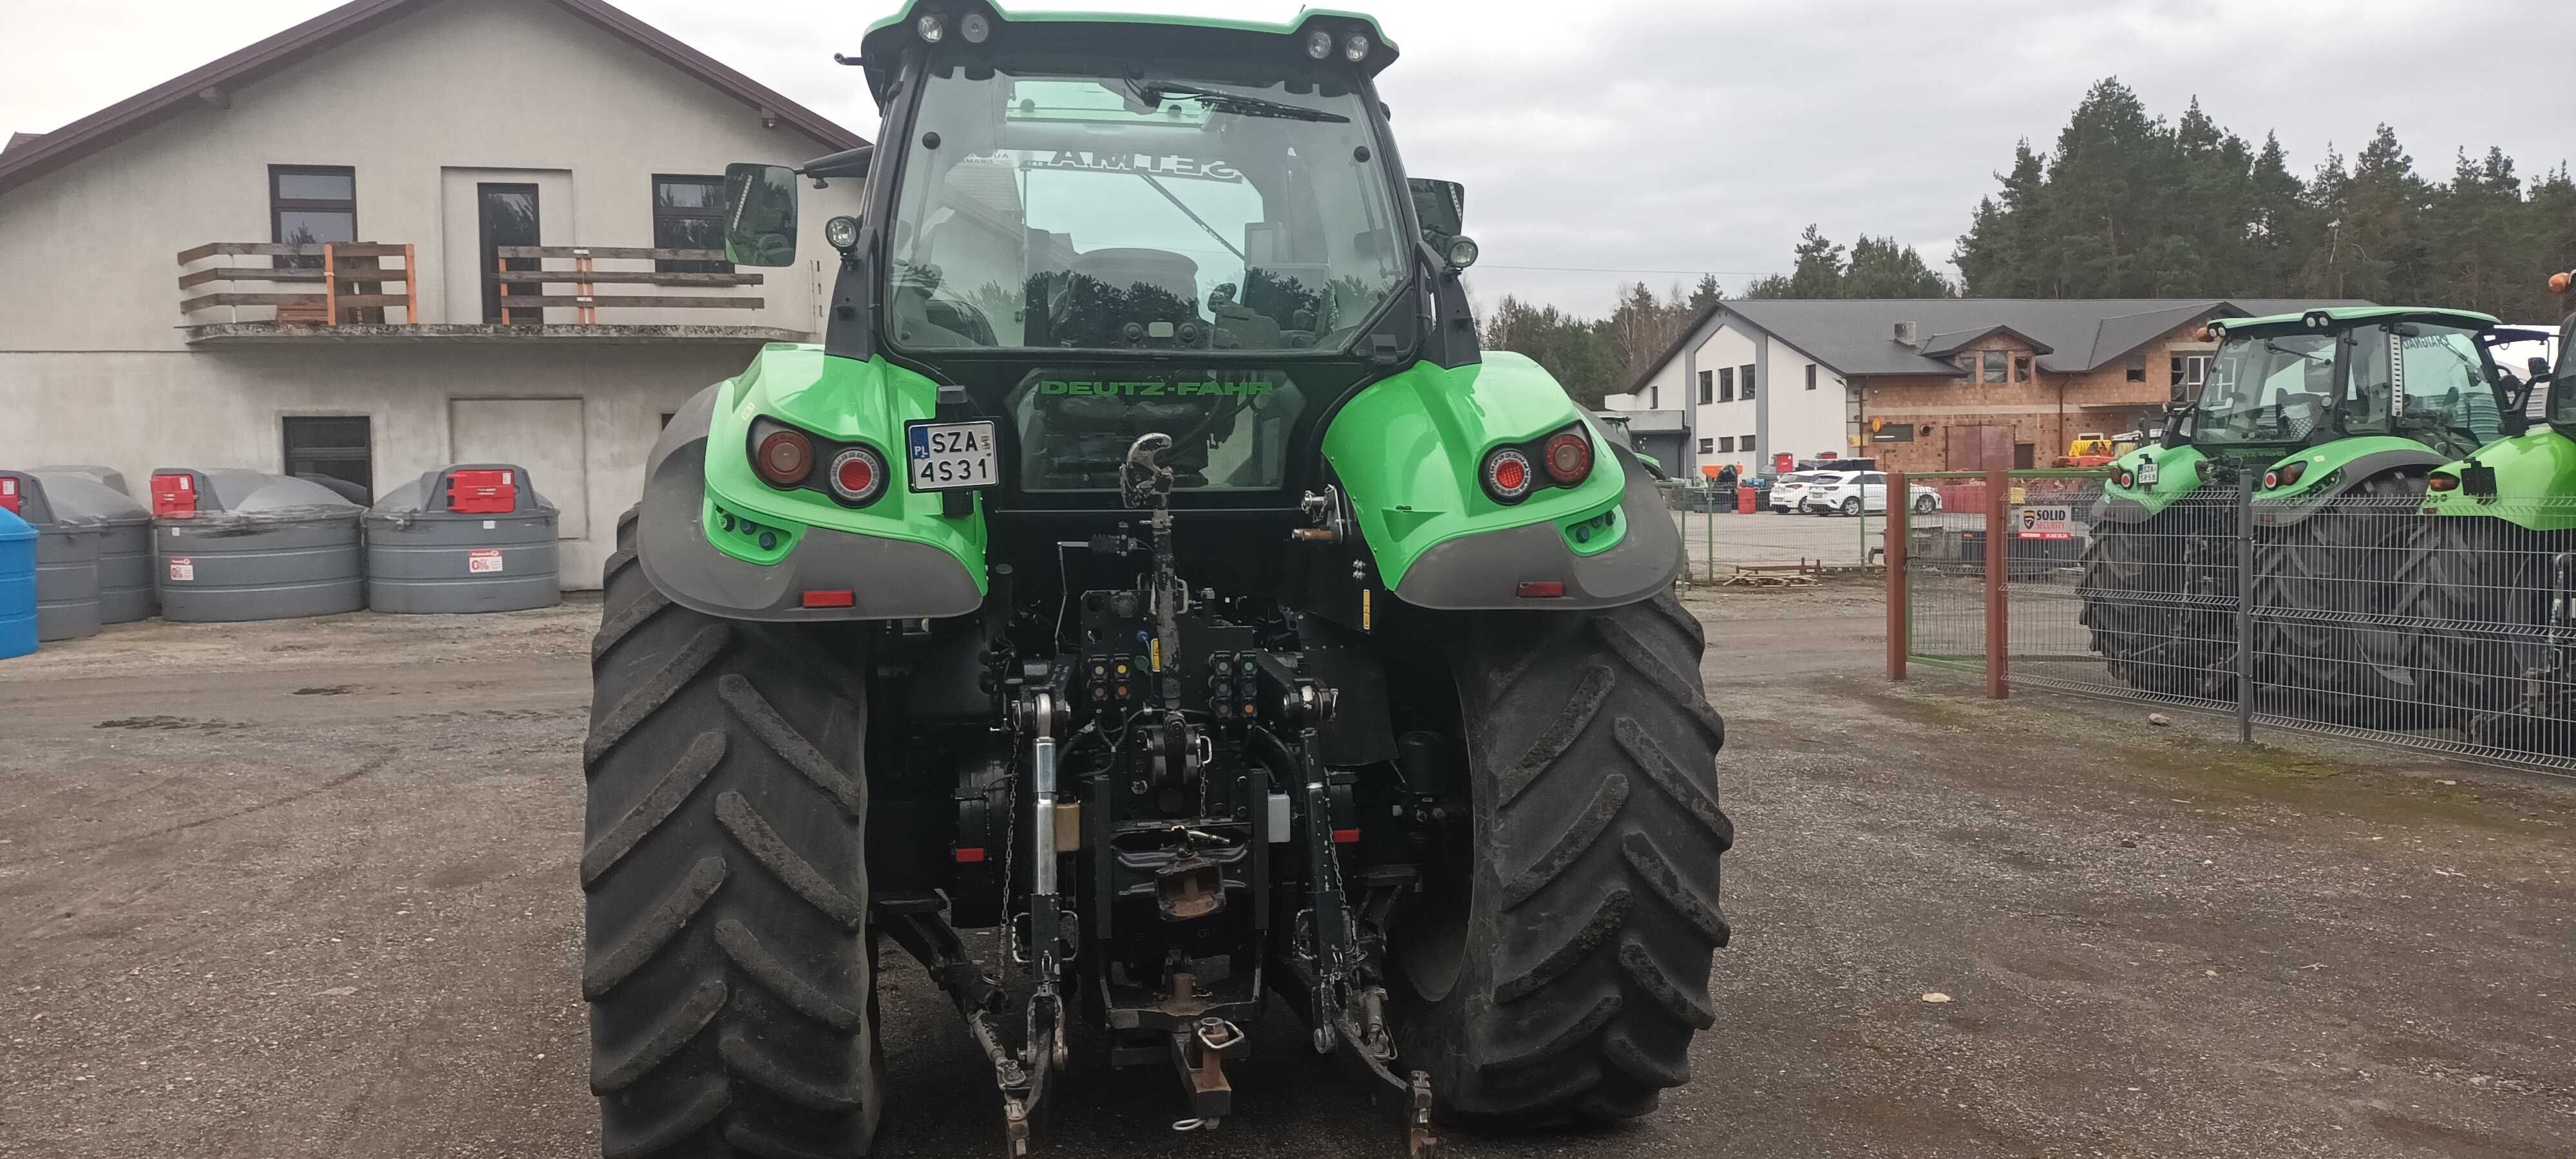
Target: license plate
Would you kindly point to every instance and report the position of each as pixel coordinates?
(951, 456)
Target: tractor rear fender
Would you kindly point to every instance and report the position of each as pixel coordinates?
(2176, 474)
(2534, 472)
(2335, 468)
(714, 538)
(1409, 451)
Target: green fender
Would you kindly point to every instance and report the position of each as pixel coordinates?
(714, 537)
(1408, 452)
(2333, 469)
(2176, 473)
(2535, 483)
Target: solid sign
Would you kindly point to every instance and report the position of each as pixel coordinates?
(2053, 521)
(482, 562)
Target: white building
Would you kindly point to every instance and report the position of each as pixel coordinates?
(1747, 395)
(140, 325)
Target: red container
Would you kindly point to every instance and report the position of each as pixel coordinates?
(9, 496)
(1744, 501)
(483, 492)
(174, 496)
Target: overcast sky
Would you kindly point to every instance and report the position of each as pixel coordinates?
(1619, 140)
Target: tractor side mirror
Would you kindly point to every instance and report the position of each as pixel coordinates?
(760, 215)
(2540, 371)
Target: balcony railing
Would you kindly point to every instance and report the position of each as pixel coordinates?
(342, 287)
(586, 277)
(350, 277)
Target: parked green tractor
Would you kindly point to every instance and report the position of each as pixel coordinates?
(1149, 569)
(2343, 412)
(2493, 584)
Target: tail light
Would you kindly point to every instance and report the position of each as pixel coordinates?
(1509, 477)
(784, 458)
(858, 475)
(1569, 457)
(2442, 483)
(2284, 476)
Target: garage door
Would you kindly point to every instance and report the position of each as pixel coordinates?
(543, 435)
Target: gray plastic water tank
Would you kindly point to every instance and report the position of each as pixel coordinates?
(246, 545)
(66, 559)
(124, 540)
(474, 537)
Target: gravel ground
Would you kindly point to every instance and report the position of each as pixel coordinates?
(307, 889)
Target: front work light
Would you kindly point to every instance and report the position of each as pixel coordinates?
(1356, 49)
(1463, 252)
(975, 27)
(1319, 44)
(842, 232)
(930, 28)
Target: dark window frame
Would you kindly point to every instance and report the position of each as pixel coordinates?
(303, 459)
(1726, 384)
(713, 212)
(1996, 368)
(2021, 368)
(1707, 386)
(1744, 443)
(1744, 381)
(279, 206)
(1811, 376)
(1708, 446)
(1726, 444)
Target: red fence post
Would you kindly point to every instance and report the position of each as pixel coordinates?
(1899, 506)
(1998, 611)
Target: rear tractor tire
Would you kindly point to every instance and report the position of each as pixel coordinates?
(724, 956)
(2330, 639)
(2161, 608)
(2480, 597)
(1562, 974)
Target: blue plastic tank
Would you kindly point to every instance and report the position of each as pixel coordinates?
(17, 586)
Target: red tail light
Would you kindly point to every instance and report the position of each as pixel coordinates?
(1569, 457)
(858, 475)
(1509, 477)
(784, 458)
(2442, 483)
(1541, 590)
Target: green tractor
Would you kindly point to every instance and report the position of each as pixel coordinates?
(1145, 605)
(2493, 584)
(2343, 412)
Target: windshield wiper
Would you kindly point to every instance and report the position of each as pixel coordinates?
(1239, 104)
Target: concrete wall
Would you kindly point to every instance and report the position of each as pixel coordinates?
(94, 367)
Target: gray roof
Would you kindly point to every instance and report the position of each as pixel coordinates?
(2072, 335)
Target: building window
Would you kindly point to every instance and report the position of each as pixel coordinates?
(2024, 455)
(1726, 384)
(688, 214)
(2137, 368)
(1746, 443)
(1654, 394)
(2190, 370)
(1893, 433)
(2021, 368)
(1726, 444)
(1707, 445)
(333, 448)
(1997, 364)
(311, 205)
(1744, 378)
(1707, 386)
(1811, 376)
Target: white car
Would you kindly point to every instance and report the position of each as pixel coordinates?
(1852, 492)
(1791, 487)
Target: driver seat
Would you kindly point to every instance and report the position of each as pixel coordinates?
(1125, 268)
